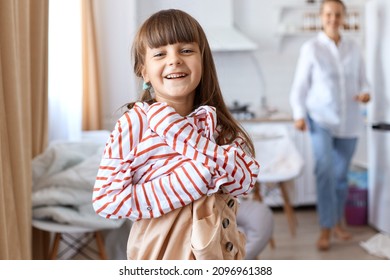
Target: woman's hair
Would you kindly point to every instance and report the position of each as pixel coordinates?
(335, 1)
(175, 26)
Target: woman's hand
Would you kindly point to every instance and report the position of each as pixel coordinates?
(300, 124)
(363, 97)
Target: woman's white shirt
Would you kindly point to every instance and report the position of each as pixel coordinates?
(328, 77)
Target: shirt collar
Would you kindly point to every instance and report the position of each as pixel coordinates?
(325, 39)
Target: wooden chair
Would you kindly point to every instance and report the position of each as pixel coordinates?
(76, 240)
(280, 163)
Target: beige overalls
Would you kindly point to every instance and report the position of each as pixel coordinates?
(203, 230)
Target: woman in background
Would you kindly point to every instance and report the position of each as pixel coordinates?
(329, 84)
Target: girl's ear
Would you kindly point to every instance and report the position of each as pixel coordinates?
(145, 74)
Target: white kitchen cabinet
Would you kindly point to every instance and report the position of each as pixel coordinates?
(304, 185)
(302, 191)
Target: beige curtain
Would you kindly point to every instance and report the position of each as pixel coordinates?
(23, 117)
(92, 118)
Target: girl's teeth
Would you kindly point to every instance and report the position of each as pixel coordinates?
(173, 76)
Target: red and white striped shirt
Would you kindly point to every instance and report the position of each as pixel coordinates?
(156, 161)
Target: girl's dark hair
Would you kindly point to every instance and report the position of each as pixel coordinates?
(175, 26)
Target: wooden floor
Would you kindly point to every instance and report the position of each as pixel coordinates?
(302, 246)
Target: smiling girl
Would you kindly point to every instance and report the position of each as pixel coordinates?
(176, 160)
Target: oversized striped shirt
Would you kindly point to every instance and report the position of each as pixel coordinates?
(156, 161)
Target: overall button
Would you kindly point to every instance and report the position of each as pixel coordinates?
(229, 246)
(230, 203)
(225, 223)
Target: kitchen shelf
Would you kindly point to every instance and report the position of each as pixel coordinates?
(311, 33)
(300, 20)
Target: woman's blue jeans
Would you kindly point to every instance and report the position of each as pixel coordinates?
(332, 157)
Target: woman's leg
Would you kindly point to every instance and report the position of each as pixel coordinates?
(343, 152)
(322, 143)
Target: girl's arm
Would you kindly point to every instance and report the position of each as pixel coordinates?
(232, 169)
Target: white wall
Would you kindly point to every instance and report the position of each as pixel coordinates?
(277, 56)
(214, 13)
(116, 25)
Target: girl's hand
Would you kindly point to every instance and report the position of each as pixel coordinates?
(363, 97)
(300, 124)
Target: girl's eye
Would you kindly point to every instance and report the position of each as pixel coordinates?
(187, 51)
(159, 54)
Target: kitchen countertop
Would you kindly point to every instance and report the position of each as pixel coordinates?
(274, 117)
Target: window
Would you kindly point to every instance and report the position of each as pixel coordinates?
(65, 70)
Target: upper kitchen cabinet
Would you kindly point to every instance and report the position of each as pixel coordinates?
(216, 18)
(228, 38)
(301, 19)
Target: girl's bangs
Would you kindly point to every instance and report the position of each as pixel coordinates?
(168, 29)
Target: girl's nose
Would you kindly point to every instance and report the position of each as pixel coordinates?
(174, 59)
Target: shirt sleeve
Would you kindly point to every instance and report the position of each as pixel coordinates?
(234, 171)
(301, 83)
(141, 177)
(111, 189)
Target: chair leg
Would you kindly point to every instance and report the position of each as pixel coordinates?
(56, 244)
(272, 243)
(288, 210)
(100, 244)
(256, 192)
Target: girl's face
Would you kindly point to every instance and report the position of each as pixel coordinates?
(332, 17)
(174, 72)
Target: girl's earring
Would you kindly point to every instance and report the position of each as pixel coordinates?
(146, 85)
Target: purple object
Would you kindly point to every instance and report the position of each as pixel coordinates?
(356, 206)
